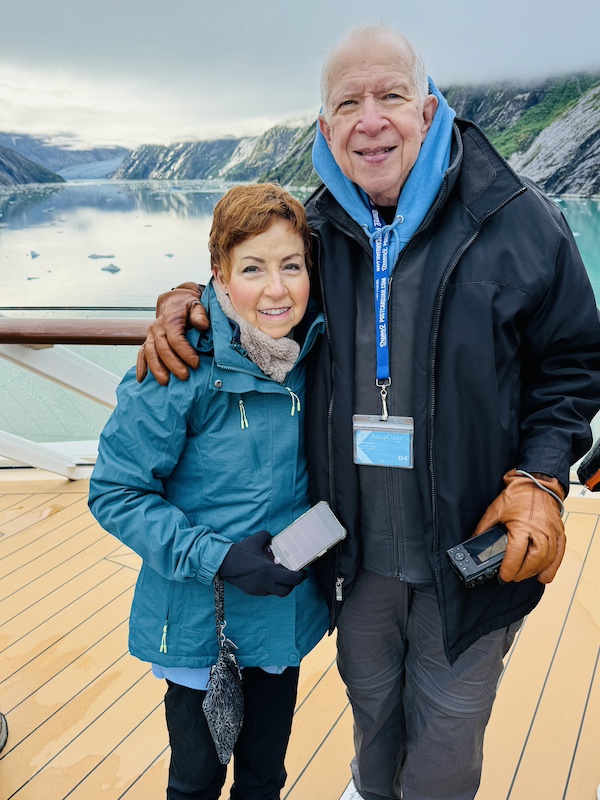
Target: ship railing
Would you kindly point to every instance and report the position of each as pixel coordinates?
(41, 346)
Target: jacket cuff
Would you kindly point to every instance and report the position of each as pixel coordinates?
(548, 460)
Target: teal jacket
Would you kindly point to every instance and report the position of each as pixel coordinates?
(184, 471)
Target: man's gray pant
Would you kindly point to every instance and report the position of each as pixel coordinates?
(418, 722)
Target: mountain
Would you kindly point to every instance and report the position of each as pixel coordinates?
(565, 157)
(243, 159)
(256, 157)
(296, 168)
(185, 160)
(67, 160)
(16, 169)
(549, 132)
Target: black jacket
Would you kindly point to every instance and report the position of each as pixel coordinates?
(506, 368)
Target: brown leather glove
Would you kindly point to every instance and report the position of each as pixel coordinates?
(166, 349)
(536, 534)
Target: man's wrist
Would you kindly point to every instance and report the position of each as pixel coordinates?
(540, 479)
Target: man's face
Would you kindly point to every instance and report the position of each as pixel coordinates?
(375, 121)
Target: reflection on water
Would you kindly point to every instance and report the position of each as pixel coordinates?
(25, 206)
(154, 235)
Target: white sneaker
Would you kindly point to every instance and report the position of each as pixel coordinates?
(351, 793)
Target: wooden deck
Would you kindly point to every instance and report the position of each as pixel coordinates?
(86, 719)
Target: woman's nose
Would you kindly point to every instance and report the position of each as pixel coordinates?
(276, 286)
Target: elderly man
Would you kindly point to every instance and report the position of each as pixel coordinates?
(451, 393)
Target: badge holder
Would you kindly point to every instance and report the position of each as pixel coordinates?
(383, 441)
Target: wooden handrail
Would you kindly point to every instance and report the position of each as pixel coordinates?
(45, 331)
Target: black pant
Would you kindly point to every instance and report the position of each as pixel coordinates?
(195, 772)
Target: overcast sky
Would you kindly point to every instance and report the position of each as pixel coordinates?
(139, 71)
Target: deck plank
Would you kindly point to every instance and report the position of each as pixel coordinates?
(42, 534)
(90, 669)
(76, 540)
(27, 594)
(61, 505)
(51, 647)
(23, 507)
(533, 732)
(584, 773)
(8, 500)
(152, 780)
(119, 771)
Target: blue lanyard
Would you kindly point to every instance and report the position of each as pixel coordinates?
(380, 288)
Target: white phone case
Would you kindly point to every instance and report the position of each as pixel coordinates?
(308, 537)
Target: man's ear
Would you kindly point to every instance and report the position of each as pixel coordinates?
(430, 105)
(325, 129)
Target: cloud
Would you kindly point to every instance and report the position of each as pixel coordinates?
(105, 113)
(149, 71)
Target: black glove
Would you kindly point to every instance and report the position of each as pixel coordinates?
(248, 567)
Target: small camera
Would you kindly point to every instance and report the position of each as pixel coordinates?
(478, 559)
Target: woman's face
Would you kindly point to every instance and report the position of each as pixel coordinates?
(269, 282)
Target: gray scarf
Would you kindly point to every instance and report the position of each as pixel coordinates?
(275, 357)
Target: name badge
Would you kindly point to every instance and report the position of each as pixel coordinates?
(379, 443)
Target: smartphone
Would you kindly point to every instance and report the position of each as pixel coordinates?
(307, 538)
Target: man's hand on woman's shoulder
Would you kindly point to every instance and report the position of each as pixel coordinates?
(166, 349)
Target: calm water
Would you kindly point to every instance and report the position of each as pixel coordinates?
(151, 236)
(56, 242)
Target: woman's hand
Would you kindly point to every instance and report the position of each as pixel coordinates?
(248, 567)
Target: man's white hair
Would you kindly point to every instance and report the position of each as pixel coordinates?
(358, 35)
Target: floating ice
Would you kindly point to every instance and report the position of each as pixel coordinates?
(34, 254)
(111, 268)
(95, 255)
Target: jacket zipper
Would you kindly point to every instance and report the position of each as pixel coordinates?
(338, 591)
(398, 574)
(434, 339)
(243, 418)
(163, 639)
